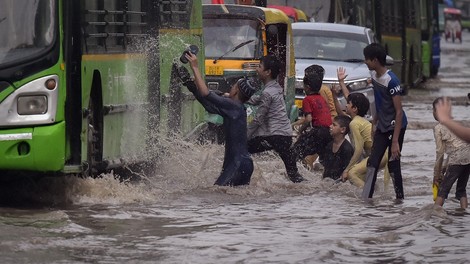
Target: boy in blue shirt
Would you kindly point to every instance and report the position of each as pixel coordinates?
(389, 122)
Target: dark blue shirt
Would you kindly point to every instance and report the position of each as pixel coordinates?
(385, 88)
(238, 166)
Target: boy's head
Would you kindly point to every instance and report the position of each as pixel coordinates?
(357, 104)
(246, 89)
(269, 65)
(434, 103)
(340, 125)
(313, 78)
(374, 51)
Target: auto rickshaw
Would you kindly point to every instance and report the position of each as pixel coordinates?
(452, 22)
(236, 37)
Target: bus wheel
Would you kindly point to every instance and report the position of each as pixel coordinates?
(94, 136)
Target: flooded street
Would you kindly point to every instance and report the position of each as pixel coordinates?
(178, 216)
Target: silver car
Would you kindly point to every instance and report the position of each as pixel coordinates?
(331, 46)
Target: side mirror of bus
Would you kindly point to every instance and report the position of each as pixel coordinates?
(388, 61)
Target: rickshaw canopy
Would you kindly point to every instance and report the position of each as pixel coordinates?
(289, 11)
(452, 11)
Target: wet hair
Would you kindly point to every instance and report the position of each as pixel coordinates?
(313, 77)
(247, 89)
(343, 121)
(375, 51)
(359, 101)
(272, 63)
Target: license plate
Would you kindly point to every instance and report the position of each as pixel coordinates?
(214, 70)
(298, 103)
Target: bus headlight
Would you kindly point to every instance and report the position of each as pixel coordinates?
(32, 105)
(354, 86)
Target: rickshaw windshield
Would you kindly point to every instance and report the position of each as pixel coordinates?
(223, 35)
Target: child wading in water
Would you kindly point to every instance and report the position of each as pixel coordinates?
(339, 151)
(458, 163)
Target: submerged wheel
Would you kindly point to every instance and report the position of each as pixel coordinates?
(94, 137)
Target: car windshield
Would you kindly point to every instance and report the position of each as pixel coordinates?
(221, 36)
(27, 28)
(328, 45)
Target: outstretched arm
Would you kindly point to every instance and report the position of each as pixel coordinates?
(443, 112)
(341, 73)
(200, 84)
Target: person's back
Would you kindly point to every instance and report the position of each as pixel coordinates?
(314, 127)
(317, 107)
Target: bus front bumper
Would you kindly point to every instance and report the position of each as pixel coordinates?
(40, 149)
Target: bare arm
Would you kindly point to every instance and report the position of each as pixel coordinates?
(341, 72)
(304, 123)
(339, 110)
(443, 111)
(439, 155)
(200, 84)
(398, 123)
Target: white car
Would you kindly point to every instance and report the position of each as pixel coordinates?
(331, 46)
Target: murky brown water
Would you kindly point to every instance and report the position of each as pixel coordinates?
(177, 216)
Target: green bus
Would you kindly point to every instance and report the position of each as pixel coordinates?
(397, 24)
(430, 37)
(88, 85)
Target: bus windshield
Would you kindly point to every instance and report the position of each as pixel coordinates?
(221, 36)
(27, 28)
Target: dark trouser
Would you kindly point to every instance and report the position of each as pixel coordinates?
(311, 142)
(280, 144)
(381, 142)
(459, 173)
(236, 171)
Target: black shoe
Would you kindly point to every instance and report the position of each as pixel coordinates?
(296, 178)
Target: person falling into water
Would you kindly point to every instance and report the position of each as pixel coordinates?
(237, 167)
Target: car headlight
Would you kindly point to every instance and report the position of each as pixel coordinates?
(358, 85)
(32, 105)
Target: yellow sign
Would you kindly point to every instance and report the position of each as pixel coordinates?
(298, 103)
(214, 70)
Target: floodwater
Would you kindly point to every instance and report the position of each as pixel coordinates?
(178, 216)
